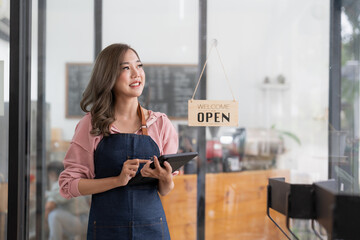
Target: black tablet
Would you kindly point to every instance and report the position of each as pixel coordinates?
(175, 160)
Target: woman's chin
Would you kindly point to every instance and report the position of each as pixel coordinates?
(136, 93)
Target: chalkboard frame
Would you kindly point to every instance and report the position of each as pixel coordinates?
(72, 85)
(84, 68)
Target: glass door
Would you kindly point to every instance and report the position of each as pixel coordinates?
(276, 55)
(63, 51)
(164, 34)
(4, 114)
(346, 169)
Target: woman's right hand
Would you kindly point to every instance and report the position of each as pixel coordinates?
(93, 186)
(129, 170)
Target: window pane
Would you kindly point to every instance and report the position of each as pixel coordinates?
(4, 114)
(69, 42)
(347, 168)
(165, 35)
(69, 60)
(276, 55)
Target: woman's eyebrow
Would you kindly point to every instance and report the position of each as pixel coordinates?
(129, 62)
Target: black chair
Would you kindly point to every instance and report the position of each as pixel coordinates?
(336, 211)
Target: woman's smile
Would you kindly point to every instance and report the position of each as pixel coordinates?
(135, 84)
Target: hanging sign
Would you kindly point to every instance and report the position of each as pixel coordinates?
(213, 113)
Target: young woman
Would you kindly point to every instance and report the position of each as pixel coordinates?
(114, 141)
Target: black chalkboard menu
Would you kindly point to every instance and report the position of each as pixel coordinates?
(77, 77)
(168, 88)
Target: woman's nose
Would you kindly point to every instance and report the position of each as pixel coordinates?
(135, 72)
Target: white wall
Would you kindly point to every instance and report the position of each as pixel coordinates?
(4, 53)
(161, 31)
(70, 34)
(5, 56)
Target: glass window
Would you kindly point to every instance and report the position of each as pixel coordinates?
(276, 56)
(346, 168)
(4, 113)
(165, 35)
(167, 49)
(69, 51)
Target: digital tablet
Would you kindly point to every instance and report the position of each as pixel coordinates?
(175, 160)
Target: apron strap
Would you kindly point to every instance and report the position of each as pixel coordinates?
(143, 121)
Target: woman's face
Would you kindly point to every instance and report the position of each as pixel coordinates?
(131, 80)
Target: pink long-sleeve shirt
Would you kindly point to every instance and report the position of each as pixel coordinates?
(79, 159)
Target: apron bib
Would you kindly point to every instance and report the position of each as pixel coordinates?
(128, 212)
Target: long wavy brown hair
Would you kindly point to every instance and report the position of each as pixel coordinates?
(98, 97)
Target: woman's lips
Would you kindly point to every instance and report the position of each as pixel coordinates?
(135, 84)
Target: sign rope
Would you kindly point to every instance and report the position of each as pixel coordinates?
(214, 44)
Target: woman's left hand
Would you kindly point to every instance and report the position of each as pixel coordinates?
(163, 174)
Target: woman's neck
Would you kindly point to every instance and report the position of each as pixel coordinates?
(126, 117)
(126, 109)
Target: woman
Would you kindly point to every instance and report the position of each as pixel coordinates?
(114, 141)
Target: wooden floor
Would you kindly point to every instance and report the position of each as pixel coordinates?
(235, 206)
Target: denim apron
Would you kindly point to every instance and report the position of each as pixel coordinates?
(128, 212)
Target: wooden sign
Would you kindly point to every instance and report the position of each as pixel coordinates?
(213, 113)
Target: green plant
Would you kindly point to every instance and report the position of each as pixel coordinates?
(283, 133)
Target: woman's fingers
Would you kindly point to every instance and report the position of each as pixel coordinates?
(144, 171)
(175, 173)
(159, 172)
(157, 163)
(136, 161)
(167, 167)
(143, 160)
(129, 171)
(131, 166)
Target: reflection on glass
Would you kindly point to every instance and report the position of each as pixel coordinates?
(173, 43)
(4, 114)
(65, 217)
(4, 170)
(188, 143)
(346, 164)
(64, 20)
(275, 53)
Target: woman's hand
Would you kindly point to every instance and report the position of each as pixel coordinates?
(129, 170)
(93, 186)
(165, 176)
